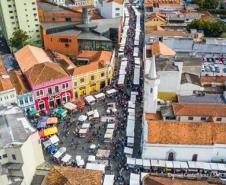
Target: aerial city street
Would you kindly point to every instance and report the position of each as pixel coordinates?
(112, 92)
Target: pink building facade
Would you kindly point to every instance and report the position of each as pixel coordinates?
(53, 93)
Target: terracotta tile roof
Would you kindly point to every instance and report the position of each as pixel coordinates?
(153, 116)
(199, 109)
(212, 79)
(59, 175)
(175, 132)
(154, 180)
(45, 72)
(149, 30)
(19, 82)
(5, 81)
(159, 48)
(155, 28)
(28, 56)
(161, 2)
(160, 16)
(96, 60)
(116, 1)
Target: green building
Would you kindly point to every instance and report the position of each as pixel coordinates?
(20, 14)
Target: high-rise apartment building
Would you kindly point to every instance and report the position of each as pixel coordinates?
(20, 14)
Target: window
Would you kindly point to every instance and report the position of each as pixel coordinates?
(171, 156)
(26, 100)
(66, 45)
(151, 90)
(50, 91)
(190, 118)
(56, 89)
(203, 118)
(68, 19)
(102, 74)
(65, 86)
(21, 102)
(92, 77)
(64, 40)
(31, 99)
(117, 14)
(41, 105)
(14, 156)
(219, 119)
(75, 83)
(195, 157)
(117, 8)
(4, 156)
(9, 6)
(81, 80)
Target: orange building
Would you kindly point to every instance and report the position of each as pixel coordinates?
(62, 43)
(52, 13)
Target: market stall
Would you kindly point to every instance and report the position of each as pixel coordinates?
(70, 106)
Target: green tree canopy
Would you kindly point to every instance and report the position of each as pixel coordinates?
(19, 39)
(211, 27)
(208, 4)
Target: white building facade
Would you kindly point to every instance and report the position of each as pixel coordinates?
(110, 9)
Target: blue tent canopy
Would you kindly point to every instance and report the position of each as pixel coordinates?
(42, 122)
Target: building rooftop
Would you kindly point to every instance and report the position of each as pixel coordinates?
(92, 36)
(159, 48)
(97, 60)
(103, 25)
(165, 64)
(205, 98)
(52, 25)
(196, 133)
(73, 176)
(5, 81)
(19, 82)
(184, 44)
(199, 109)
(190, 78)
(47, 7)
(28, 56)
(154, 180)
(116, 1)
(159, 31)
(45, 72)
(14, 127)
(205, 80)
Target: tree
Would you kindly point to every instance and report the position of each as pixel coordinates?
(19, 39)
(208, 4)
(211, 27)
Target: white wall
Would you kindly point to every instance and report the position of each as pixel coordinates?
(187, 89)
(32, 156)
(7, 97)
(198, 119)
(108, 9)
(205, 153)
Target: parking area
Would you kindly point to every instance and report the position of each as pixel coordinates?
(214, 66)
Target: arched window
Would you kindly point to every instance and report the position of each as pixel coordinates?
(51, 102)
(58, 101)
(170, 156)
(195, 157)
(41, 105)
(66, 97)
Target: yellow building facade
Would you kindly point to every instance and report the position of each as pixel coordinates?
(95, 76)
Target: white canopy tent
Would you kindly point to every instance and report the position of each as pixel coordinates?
(95, 166)
(60, 152)
(108, 180)
(66, 158)
(134, 179)
(99, 96)
(90, 99)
